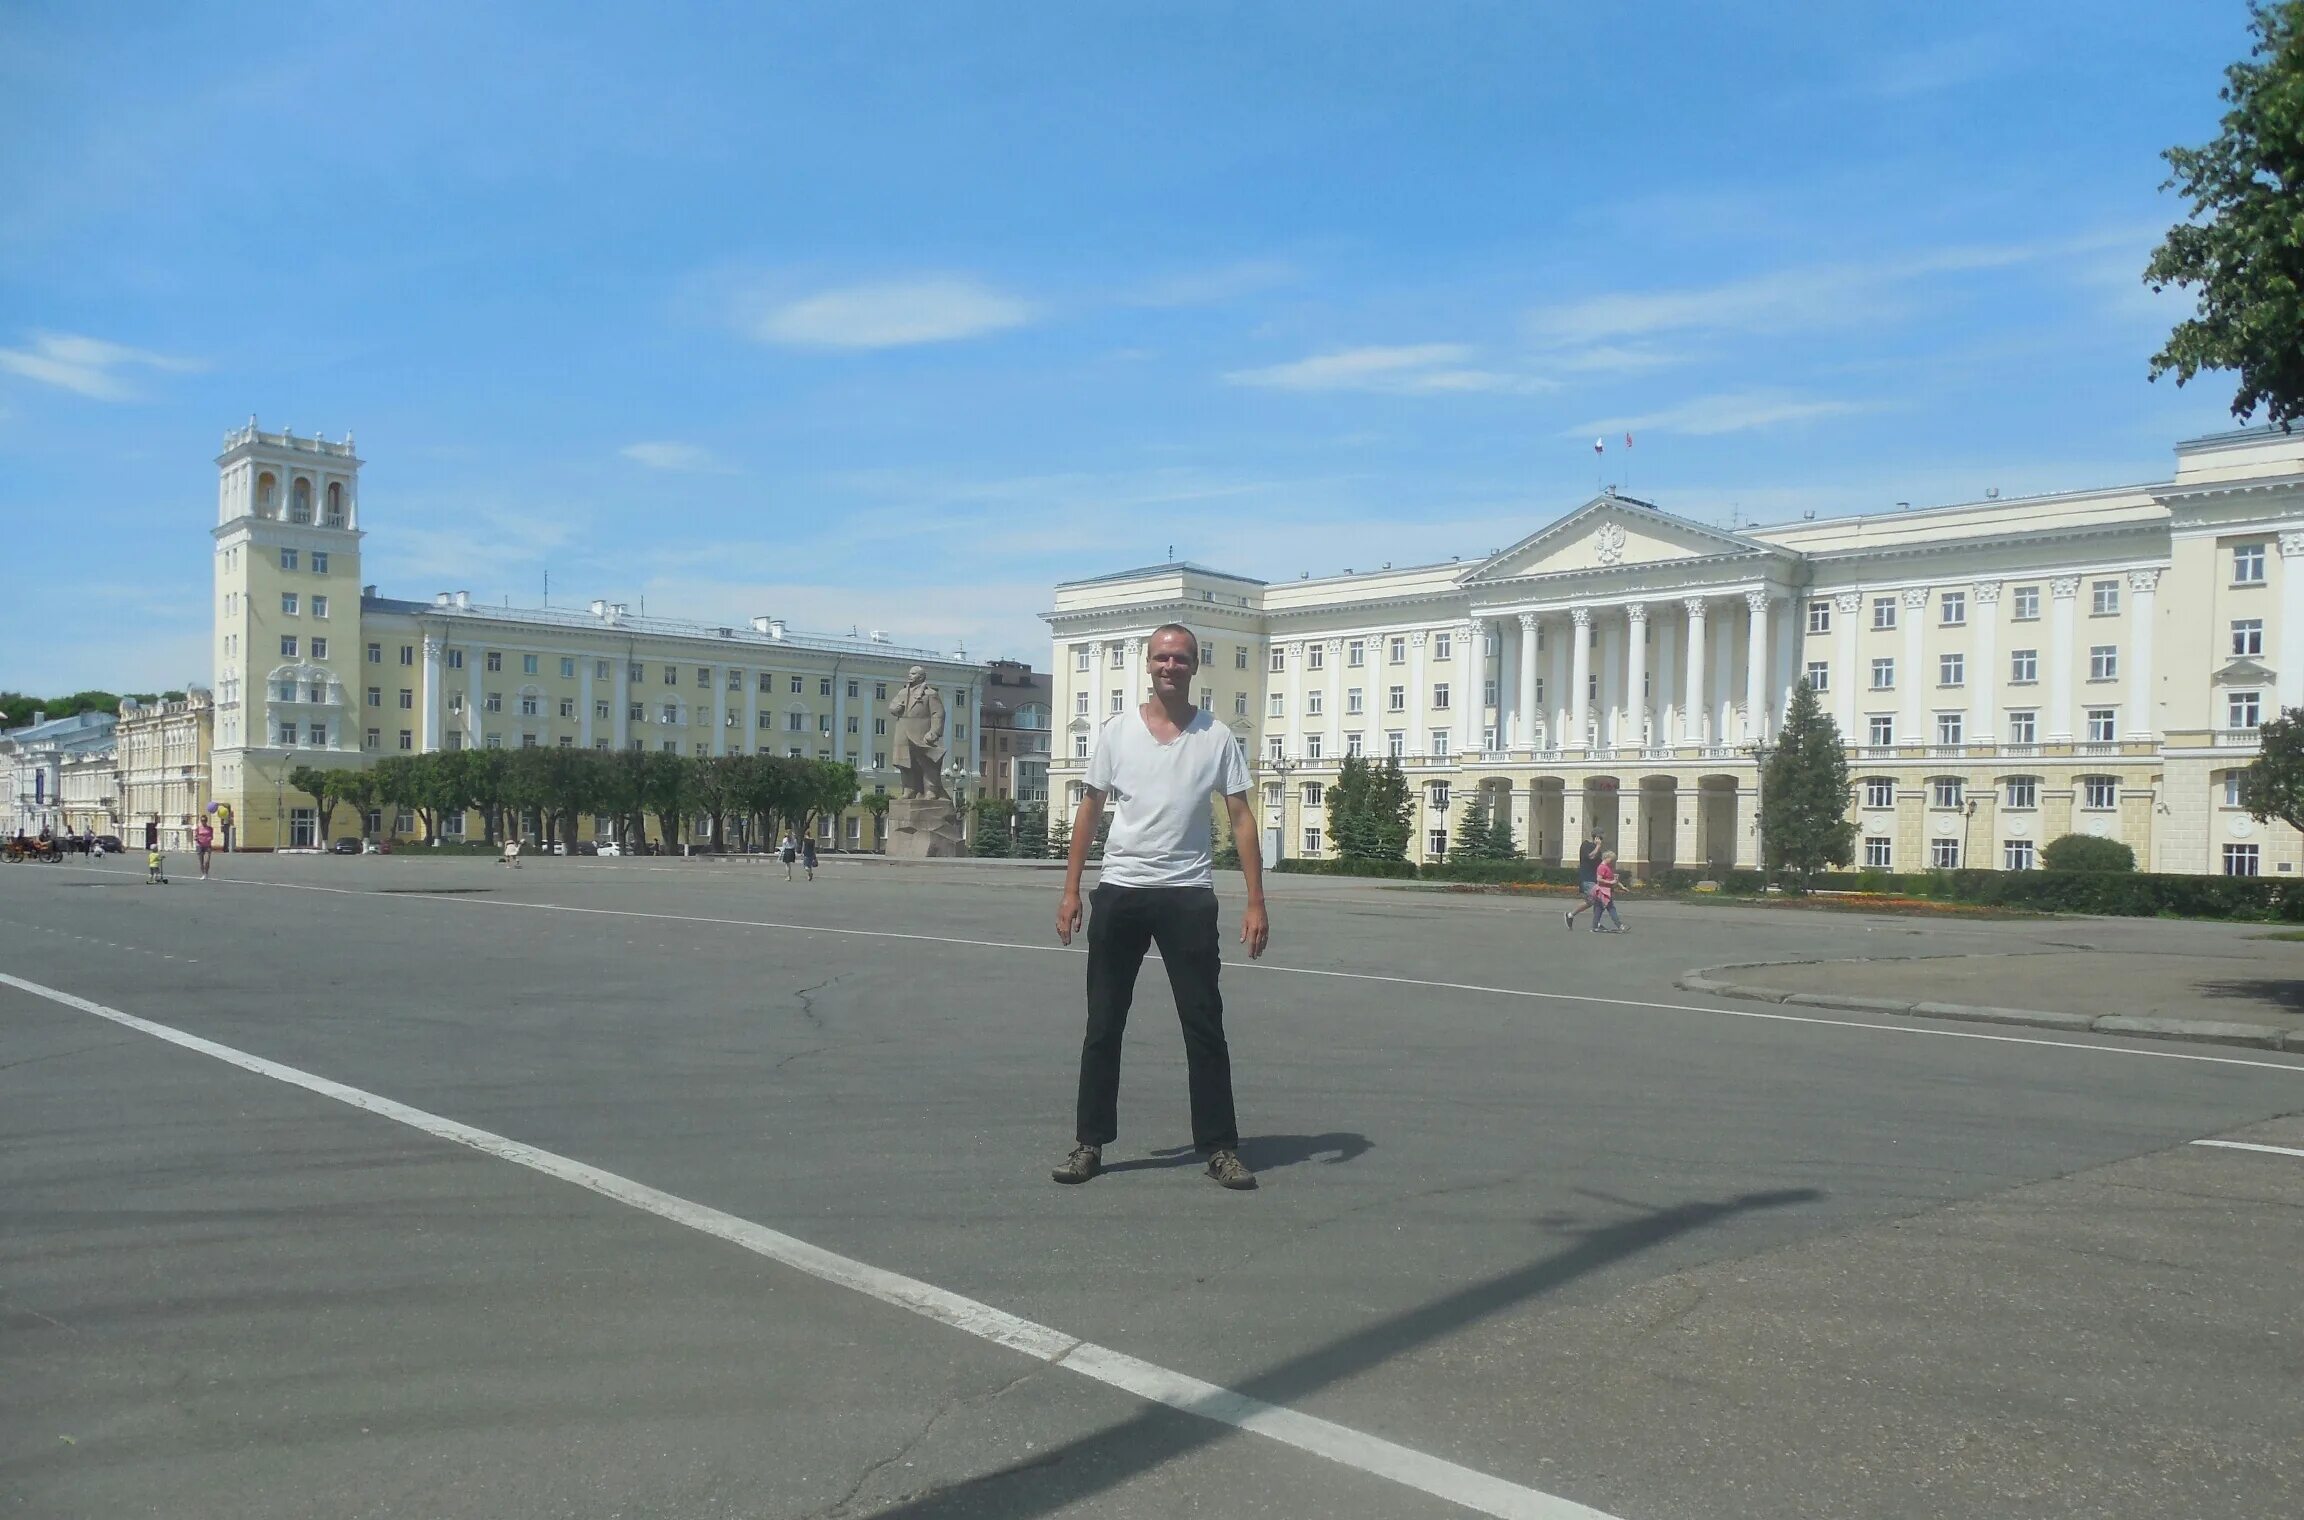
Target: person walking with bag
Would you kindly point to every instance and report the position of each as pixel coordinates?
(1604, 887)
(1160, 763)
(787, 852)
(808, 855)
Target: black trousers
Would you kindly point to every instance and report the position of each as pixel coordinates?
(1123, 922)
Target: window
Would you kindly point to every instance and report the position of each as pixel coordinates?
(2243, 709)
(1276, 748)
(1316, 656)
(1819, 617)
(1947, 792)
(1944, 854)
(1440, 694)
(856, 725)
(2017, 855)
(494, 702)
(407, 739)
(2233, 789)
(880, 726)
(567, 667)
(1207, 656)
(1311, 841)
(1881, 728)
(2248, 565)
(1395, 743)
(1883, 675)
(1443, 646)
(1315, 702)
(319, 562)
(2024, 604)
(1883, 612)
(455, 702)
(373, 740)
(2103, 598)
(1436, 843)
(455, 659)
(1440, 743)
(1356, 653)
(407, 699)
(1312, 746)
(287, 559)
(1355, 700)
(288, 646)
(2248, 636)
(1352, 744)
(2023, 726)
(1952, 670)
(1274, 794)
(1239, 704)
(376, 654)
(767, 682)
(2023, 667)
(1879, 791)
(319, 606)
(1080, 657)
(600, 711)
(795, 686)
(1116, 700)
(1438, 793)
(2240, 860)
(1079, 704)
(493, 660)
(528, 664)
(1819, 676)
(1313, 792)
(2021, 793)
(2099, 792)
(1278, 661)
(2103, 725)
(854, 690)
(2103, 662)
(1949, 728)
(1080, 747)
(1488, 692)
(736, 680)
(318, 734)
(1240, 657)
(319, 649)
(375, 696)
(1396, 699)
(823, 686)
(636, 712)
(1398, 651)
(568, 708)
(287, 604)
(287, 733)
(1879, 854)
(1953, 607)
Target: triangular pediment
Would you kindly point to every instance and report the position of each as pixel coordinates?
(2245, 672)
(1609, 532)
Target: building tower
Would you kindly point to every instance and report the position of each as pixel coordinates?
(287, 618)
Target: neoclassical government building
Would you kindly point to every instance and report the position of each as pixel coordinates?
(2004, 672)
(313, 667)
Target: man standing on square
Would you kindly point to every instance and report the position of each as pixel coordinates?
(1160, 763)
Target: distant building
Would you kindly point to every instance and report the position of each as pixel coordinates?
(1016, 732)
(89, 785)
(163, 757)
(32, 766)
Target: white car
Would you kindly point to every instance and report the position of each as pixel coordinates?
(609, 848)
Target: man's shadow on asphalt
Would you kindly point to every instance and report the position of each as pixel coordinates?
(1261, 1153)
(1074, 1473)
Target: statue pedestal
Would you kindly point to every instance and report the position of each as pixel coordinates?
(923, 828)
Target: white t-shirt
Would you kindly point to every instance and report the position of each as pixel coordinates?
(1160, 835)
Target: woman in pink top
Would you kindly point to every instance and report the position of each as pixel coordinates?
(203, 840)
(1604, 895)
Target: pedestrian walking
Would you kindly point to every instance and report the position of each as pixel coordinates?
(808, 855)
(203, 841)
(1159, 763)
(511, 855)
(1587, 872)
(787, 852)
(1604, 888)
(152, 864)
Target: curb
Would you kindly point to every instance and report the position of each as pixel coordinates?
(2197, 1031)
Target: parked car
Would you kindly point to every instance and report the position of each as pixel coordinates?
(108, 843)
(608, 847)
(348, 845)
(584, 847)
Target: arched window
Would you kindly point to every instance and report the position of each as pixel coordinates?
(2019, 794)
(300, 501)
(335, 503)
(267, 495)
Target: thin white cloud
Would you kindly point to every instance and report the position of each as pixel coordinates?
(892, 314)
(1212, 287)
(85, 366)
(692, 458)
(1933, 69)
(1728, 412)
(1406, 369)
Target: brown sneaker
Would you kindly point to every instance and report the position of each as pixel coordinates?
(1229, 1171)
(1084, 1162)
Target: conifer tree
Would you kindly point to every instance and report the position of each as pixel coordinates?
(1471, 841)
(1804, 816)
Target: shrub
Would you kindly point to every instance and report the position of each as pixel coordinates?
(1297, 865)
(2085, 852)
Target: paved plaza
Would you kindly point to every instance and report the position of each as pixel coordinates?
(415, 1187)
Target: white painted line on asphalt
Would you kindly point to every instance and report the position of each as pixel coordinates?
(1147, 1380)
(1353, 976)
(2243, 1145)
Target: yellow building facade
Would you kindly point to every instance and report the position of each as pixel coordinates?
(313, 667)
(2003, 672)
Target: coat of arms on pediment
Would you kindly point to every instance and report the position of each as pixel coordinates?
(1608, 543)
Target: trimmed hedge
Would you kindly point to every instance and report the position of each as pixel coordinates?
(1298, 866)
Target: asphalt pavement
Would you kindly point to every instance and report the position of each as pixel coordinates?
(1530, 1213)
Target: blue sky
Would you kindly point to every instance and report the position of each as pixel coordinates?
(892, 316)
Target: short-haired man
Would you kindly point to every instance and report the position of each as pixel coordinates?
(1160, 763)
(1587, 878)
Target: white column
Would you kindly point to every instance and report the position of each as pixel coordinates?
(1335, 740)
(1292, 709)
(475, 710)
(1722, 717)
(2291, 640)
(1557, 694)
(1413, 719)
(1507, 686)
(1912, 682)
(2143, 699)
(584, 702)
(752, 743)
(976, 736)
(1847, 679)
(1756, 667)
(2063, 593)
(1692, 710)
(1471, 666)
(621, 715)
(1524, 715)
(1784, 659)
(1666, 729)
(1984, 661)
(1580, 677)
(434, 698)
(839, 711)
(720, 714)
(1636, 677)
(1611, 713)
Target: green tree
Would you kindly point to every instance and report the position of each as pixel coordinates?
(328, 787)
(876, 804)
(2242, 248)
(1471, 841)
(994, 836)
(1059, 836)
(1031, 830)
(2085, 852)
(2272, 788)
(1351, 831)
(828, 790)
(1391, 811)
(359, 790)
(1501, 844)
(718, 785)
(666, 789)
(1804, 820)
